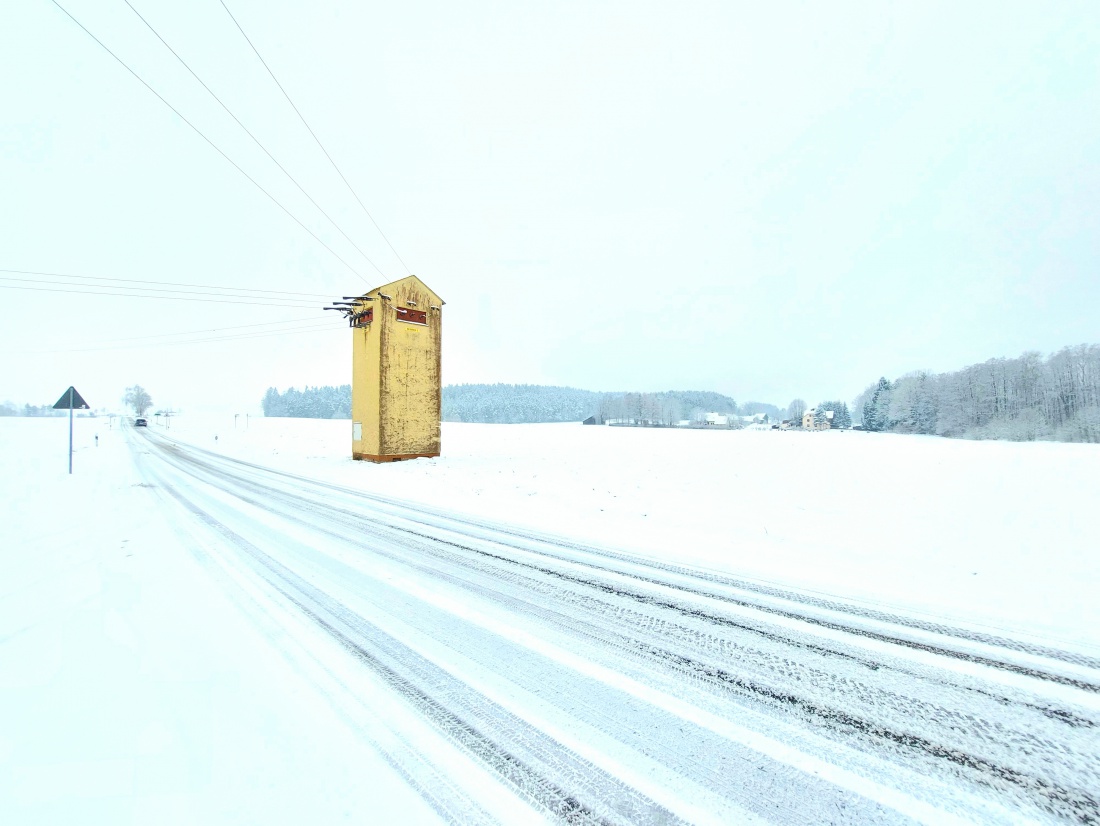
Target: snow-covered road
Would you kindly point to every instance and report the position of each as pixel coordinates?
(513, 676)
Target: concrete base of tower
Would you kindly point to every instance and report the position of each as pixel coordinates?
(397, 457)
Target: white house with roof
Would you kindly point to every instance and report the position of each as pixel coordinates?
(811, 421)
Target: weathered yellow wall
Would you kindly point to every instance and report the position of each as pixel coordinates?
(364, 388)
(396, 376)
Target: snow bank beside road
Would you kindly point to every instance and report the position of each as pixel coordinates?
(132, 690)
(997, 534)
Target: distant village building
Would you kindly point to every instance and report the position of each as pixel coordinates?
(590, 420)
(812, 421)
(718, 420)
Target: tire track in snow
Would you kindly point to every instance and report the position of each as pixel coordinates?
(450, 802)
(1048, 795)
(769, 632)
(1065, 802)
(463, 525)
(405, 672)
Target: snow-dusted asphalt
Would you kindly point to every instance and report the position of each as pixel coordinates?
(510, 676)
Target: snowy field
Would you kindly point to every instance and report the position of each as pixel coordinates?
(153, 671)
(999, 533)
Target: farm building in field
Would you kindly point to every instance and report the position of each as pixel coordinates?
(396, 388)
(812, 419)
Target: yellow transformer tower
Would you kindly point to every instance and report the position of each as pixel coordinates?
(396, 387)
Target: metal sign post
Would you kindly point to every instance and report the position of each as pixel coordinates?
(70, 400)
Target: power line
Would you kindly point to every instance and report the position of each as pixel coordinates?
(212, 144)
(160, 297)
(309, 328)
(315, 328)
(276, 301)
(314, 134)
(207, 330)
(249, 133)
(263, 292)
(268, 334)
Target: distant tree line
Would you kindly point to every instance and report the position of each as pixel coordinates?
(1026, 398)
(752, 408)
(12, 409)
(1020, 399)
(666, 408)
(517, 403)
(311, 403)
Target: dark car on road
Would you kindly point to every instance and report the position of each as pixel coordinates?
(140, 422)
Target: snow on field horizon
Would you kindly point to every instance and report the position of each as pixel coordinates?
(229, 625)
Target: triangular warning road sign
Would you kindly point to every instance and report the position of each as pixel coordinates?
(71, 400)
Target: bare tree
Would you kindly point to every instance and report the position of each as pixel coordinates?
(795, 410)
(913, 403)
(1023, 398)
(138, 399)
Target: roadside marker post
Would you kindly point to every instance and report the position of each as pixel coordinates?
(71, 400)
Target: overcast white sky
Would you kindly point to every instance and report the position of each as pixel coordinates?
(765, 199)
